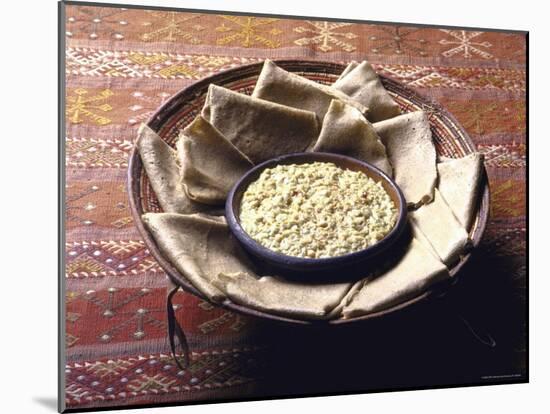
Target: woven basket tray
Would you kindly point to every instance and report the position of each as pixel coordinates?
(449, 137)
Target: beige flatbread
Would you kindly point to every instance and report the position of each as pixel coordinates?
(199, 246)
(203, 249)
(352, 65)
(211, 165)
(441, 228)
(277, 85)
(282, 297)
(410, 149)
(337, 311)
(163, 170)
(345, 131)
(459, 184)
(361, 83)
(259, 128)
(421, 238)
(409, 277)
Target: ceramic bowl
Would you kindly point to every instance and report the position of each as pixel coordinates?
(300, 266)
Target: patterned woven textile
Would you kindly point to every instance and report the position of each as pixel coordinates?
(121, 64)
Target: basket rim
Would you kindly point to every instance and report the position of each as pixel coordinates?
(172, 104)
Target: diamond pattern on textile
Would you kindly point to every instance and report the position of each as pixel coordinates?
(108, 258)
(139, 375)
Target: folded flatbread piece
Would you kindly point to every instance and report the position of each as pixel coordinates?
(408, 278)
(259, 128)
(361, 83)
(410, 149)
(203, 249)
(437, 222)
(345, 131)
(352, 65)
(459, 184)
(211, 165)
(421, 238)
(282, 297)
(199, 246)
(163, 170)
(277, 85)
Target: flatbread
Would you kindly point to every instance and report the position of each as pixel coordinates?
(410, 276)
(337, 311)
(277, 85)
(421, 238)
(410, 149)
(361, 83)
(459, 184)
(282, 297)
(199, 246)
(437, 222)
(203, 249)
(163, 170)
(352, 65)
(211, 165)
(345, 131)
(259, 128)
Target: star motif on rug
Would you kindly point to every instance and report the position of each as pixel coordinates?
(81, 106)
(172, 27)
(248, 32)
(463, 44)
(325, 37)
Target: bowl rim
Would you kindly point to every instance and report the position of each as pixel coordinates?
(169, 107)
(272, 256)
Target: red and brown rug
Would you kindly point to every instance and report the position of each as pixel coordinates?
(121, 64)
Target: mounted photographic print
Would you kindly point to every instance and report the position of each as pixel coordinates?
(277, 206)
